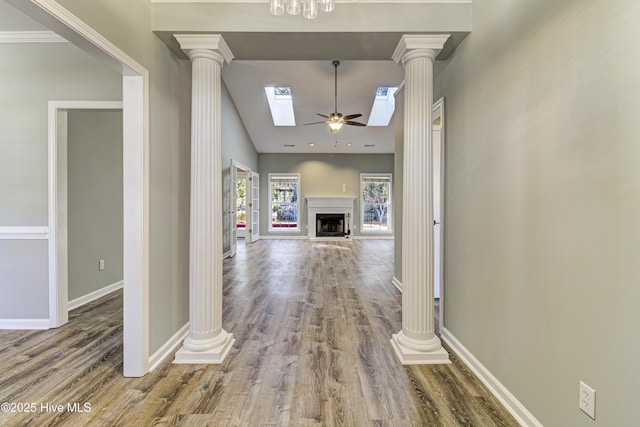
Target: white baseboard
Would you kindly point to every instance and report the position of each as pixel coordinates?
(226, 254)
(397, 284)
(513, 405)
(374, 237)
(25, 324)
(352, 237)
(85, 299)
(330, 239)
(284, 237)
(168, 347)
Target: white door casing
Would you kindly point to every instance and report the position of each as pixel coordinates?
(439, 142)
(233, 209)
(135, 106)
(253, 210)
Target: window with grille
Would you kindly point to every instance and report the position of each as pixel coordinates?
(285, 189)
(375, 200)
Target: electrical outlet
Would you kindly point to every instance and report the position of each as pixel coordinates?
(587, 400)
(101, 265)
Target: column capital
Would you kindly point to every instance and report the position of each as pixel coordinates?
(191, 43)
(417, 45)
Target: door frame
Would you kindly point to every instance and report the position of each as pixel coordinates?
(438, 113)
(58, 220)
(135, 112)
(233, 212)
(248, 235)
(253, 179)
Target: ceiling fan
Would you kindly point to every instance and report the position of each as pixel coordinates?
(335, 120)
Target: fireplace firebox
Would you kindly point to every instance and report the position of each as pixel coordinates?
(330, 225)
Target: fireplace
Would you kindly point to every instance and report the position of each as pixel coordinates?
(330, 225)
(339, 223)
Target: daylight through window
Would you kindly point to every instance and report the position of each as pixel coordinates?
(284, 201)
(376, 202)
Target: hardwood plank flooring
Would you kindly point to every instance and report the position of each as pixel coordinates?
(312, 322)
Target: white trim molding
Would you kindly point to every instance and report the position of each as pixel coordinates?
(58, 227)
(168, 348)
(508, 400)
(283, 237)
(373, 237)
(92, 296)
(30, 37)
(135, 99)
(24, 233)
(31, 324)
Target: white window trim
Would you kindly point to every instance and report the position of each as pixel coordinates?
(366, 231)
(295, 229)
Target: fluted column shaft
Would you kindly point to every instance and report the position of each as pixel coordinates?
(417, 343)
(207, 341)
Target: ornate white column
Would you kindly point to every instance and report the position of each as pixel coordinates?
(417, 343)
(207, 342)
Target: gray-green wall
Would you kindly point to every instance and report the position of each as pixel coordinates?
(94, 200)
(543, 201)
(236, 146)
(398, 183)
(33, 74)
(320, 175)
(127, 24)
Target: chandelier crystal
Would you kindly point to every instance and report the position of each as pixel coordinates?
(309, 8)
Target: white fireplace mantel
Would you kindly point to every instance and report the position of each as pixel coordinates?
(327, 205)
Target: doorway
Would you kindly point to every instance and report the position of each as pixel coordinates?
(135, 100)
(244, 214)
(73, 207)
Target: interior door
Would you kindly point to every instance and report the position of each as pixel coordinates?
(253, 210)
(233, 209)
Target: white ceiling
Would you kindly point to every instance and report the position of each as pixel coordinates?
(312, 86)
(303, 61)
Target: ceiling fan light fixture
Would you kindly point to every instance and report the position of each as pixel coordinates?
(335, 126)
(335, 120)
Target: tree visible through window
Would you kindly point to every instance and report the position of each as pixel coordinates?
(241, 203)
(376, 202)
(284, 200)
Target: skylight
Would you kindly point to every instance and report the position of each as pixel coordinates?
(281, 105)
(383, 107)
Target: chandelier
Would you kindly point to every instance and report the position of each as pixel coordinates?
(309, 8)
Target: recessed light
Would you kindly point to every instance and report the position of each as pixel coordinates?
(349, 144)
(311, 144)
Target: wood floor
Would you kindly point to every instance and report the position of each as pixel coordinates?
(312, 323)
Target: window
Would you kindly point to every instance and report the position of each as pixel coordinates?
(241, 202)
(285, 189)
(384, 105)
(281, 105)
(375, 199)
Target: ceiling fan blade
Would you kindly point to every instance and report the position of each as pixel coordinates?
(314, 123)
(352, 116)
(322, 115)
(349, 122)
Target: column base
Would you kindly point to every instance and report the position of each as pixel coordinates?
(214, 354)
(414, 352)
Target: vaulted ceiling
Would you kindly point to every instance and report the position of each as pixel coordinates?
(291, 51)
